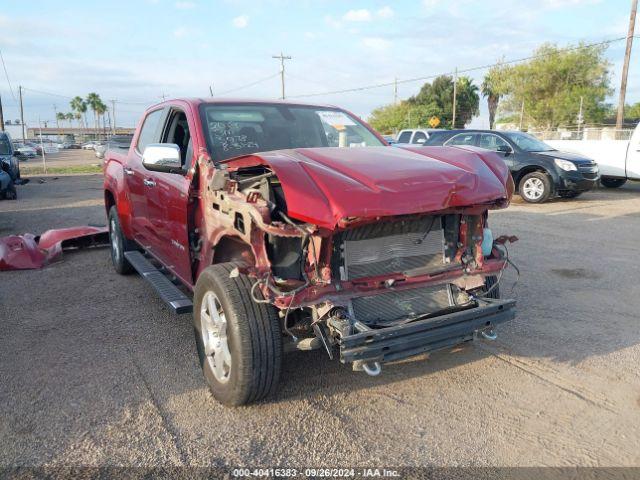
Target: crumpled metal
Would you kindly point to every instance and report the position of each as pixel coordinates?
(28, 251)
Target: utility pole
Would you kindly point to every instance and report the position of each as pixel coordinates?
(282, 58)
(44, 158)
(211, 90)
(113, 110)
(55, 115)
(521, 115)
(580, 117)
(625, 68)
(455, 93)
(1, 116)
(21, 113)
(395, 91)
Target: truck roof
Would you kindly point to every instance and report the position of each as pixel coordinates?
(195, 102)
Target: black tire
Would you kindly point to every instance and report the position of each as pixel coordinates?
(569, 194)
(546, 185)
(609, 182)
(119, 244)
(11, 193)
(252, 335)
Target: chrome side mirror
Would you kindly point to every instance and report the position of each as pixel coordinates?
(162, 157)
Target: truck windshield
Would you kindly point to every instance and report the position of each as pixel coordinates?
(528, 143)
(234, 130)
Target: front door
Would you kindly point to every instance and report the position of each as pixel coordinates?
(168, 199)
(137, 180)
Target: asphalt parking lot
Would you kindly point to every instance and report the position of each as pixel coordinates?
(96, 371)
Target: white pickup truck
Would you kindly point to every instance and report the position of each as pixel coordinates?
(618, 160)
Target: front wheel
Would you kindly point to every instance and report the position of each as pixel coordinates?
(535, 187)
(239, 341)
(612, 182)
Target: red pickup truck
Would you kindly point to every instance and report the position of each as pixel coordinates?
(287, 226)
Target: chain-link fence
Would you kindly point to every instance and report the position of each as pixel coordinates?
(587, 133)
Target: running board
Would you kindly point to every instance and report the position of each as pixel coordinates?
(172, 295)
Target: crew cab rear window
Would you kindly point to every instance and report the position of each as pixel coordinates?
(405, 137)
(149, 129)
(463, 139)
(240, 129)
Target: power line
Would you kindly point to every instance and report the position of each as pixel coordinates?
(7, 77)
(466, 70)
(242, 87)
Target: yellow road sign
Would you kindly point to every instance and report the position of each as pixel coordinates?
(434, 122)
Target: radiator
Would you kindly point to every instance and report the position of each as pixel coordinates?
(396, 305)
(392, 247)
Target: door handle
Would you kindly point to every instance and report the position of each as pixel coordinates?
(149, 183)
(127, 171)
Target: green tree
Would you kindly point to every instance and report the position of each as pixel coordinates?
(552, 83)
(93, 101)
(632, 112)
(69, 116)
(79, 106)
(392, 118)
(60, 117)
(493, 88)
(438, 97)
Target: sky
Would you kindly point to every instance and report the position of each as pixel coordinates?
(138, 51)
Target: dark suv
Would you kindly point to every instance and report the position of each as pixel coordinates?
(539, 171)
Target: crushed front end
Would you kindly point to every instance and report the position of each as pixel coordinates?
(382, 282)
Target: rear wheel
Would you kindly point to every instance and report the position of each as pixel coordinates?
(239, 341)
(535, 187)
(119, 244)
(609, 182)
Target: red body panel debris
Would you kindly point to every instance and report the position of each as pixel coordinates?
(28, 251)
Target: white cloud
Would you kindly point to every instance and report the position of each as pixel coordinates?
(569, 3)
(180, 32)
(332, 22)
(185, 5)
(240, 22)
(385, 12)
(376, 43)
(362, 15)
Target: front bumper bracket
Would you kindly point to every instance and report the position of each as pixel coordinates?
(436, 333)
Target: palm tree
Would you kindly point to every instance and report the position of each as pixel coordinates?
(60, 117)
(100, 110)
(94, 101)
(70, 117)
(79, 106)
(492, 89)
(468, 101)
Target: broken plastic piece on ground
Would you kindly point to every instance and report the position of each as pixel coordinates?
(28, 251)
(505, 238)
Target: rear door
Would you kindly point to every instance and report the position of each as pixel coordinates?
(167, 199)
(419, 138)
(493, 142)
(462, 139)
(137, 179)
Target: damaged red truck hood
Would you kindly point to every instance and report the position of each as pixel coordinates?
(325, 185)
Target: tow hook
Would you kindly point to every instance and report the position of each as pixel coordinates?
(373, 369)
(489, 334)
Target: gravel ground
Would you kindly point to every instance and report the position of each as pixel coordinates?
(96, 371)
